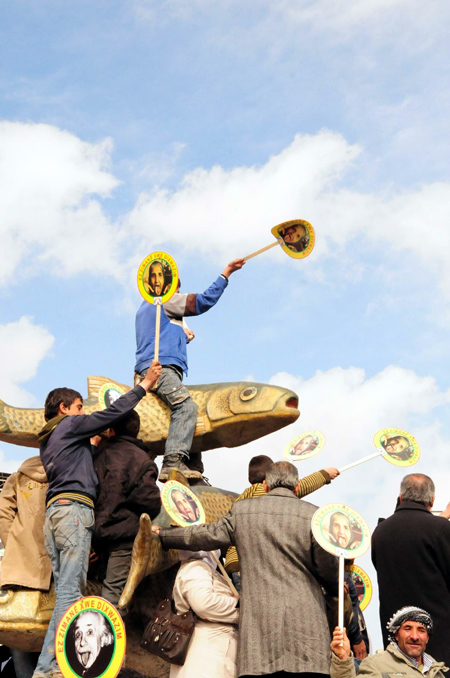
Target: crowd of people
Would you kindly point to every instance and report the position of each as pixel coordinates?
(93, 479)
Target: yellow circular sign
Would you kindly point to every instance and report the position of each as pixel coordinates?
(362, 583)
(158, 277)
(108, 394)
(90, 640)
(304, 446)
(339, 529)
(182, 505)
(297, 237)
(400, 448)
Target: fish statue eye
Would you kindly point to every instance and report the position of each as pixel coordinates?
(248, 393)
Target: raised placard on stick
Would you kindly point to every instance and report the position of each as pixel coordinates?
(157, 282)
(342, 531)
(395, 446)
(304, 446)
(295, 237)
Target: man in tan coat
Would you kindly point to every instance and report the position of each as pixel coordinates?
(22, 515)
(409, 631)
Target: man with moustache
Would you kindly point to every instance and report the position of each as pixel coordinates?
(409, 631)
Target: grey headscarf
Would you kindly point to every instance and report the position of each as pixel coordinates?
(408, 613)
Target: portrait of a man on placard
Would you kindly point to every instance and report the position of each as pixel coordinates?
(159, 278)
(305, 445)
(89, 644)
(295, 237)
(343, 532)
(184, 506)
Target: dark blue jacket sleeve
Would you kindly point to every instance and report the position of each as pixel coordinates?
(87, 425)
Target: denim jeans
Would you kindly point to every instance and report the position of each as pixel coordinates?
(67, 534)
(183, 411)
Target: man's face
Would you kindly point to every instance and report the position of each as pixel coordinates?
(412, 638)
(75, 408)
(184, 507)
(156, 278)
(396, 445)
(88, 638)
(340, 529)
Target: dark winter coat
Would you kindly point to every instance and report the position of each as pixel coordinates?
(411, 553)
(127, 487)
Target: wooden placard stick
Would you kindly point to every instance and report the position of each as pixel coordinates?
(264, 249)
(224, 572)
(158, 326)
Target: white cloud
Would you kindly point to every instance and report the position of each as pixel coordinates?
(49, 214)
(231, 212)
(23, 346)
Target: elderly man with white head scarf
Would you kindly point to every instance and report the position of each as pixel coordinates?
(213, 647)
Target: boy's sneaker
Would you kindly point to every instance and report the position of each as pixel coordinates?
(176, 461)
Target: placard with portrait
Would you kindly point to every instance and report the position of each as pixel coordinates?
(158, 277)
(182, 505)
(108, 394)
(400, 448)
(362, 583)
(304, 446)
(340, 529)
(297, 237)
(90, 640)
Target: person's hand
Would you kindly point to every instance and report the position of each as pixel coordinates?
(152, 376)
(446, 512)
(156, 529)
(346, 591)
(233, 266)
(340, 644)
(189, 333)
(360, 650)
(332, 472)
(95, 440)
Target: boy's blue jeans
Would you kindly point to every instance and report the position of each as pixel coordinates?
(183, 411)
(67, 534)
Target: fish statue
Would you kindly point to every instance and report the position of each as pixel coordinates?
(229, 415)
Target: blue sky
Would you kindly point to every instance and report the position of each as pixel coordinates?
(195, 127)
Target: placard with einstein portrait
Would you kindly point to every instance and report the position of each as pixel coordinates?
(182, 505)
(297, 237)
(304, 446)
(108, 394)
(90, 640)
(158, 277)
(339, 529)
(362, 584)
(400, 448)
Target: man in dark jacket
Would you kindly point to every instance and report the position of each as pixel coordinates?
(127, 488)
(66, 455)
(411, 553)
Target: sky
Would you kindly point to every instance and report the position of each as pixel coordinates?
(128, 126)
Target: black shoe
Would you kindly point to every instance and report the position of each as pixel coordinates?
(176, 461)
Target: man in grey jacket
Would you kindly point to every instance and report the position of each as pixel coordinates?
(283, 626)
(409, 631)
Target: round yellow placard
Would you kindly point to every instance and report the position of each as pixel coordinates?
(400, 447)
(90, 640)
(182, 505)
(362, 583)
(109, 393)
(304, 446)
(297, 237)
(158, 277)
(340, 529)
